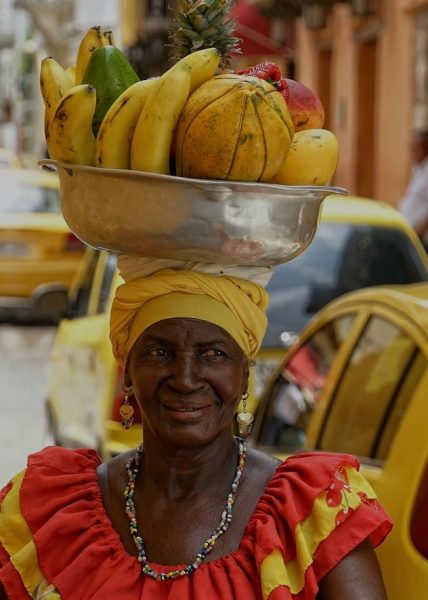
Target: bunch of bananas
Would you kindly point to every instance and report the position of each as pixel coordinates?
(137, 129)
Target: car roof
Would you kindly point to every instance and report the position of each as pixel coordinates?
(355, 209)
(411, 300)
(33, 177)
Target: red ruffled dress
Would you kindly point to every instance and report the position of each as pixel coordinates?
(57, 542)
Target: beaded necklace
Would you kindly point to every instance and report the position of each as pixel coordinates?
(133, 468)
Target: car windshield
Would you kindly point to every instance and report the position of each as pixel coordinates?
(16, 197)
(341, 258)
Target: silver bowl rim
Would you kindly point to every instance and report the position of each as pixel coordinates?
(220, 184)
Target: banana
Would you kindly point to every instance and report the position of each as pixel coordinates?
(92, 40)
(72, 126)
(71, 72)
(203, 65)
(151, 143)
(114, 139)
(54, 83)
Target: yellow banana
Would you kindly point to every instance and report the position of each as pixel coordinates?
(203, 65)
(54, 83)
(92, 40)
(72, 126)
(114, 139)
(108, 38)
(71, 72)
(151, 143)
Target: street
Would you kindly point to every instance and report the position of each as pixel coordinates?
(23, 359)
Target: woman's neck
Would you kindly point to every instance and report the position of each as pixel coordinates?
(178, 473)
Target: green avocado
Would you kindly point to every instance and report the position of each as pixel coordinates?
(111, 74)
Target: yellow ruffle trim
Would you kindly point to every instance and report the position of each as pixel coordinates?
(318, 525)
(16, 539)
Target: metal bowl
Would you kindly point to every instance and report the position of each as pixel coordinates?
(163, 216)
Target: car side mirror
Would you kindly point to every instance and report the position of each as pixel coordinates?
(51, 302)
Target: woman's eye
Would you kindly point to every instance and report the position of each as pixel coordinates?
(213, 353)
(156, 352)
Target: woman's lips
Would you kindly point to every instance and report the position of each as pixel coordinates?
(183, 412)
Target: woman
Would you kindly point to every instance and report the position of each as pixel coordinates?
(193, 514)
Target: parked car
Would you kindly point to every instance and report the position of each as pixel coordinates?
(39, 255)
(359, 243)
(356, 381)
(84, 385)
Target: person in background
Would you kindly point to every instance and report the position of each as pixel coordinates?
(414, 204)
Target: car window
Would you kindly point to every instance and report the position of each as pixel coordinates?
(376, 386)
(80, 301)
(416, 370)
(26, 198)
(298, 388)
(341, 258)
(110, 267)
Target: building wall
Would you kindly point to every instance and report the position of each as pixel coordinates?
(374, 140)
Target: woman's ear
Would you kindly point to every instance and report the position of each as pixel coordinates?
(246, 379)
(126, 377)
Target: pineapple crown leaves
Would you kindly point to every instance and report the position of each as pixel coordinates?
(199, 24)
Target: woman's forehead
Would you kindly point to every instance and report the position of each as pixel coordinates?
(194, 328)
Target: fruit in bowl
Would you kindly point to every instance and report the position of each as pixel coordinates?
(198, 119)
(306, 109)
(233, 127)
(312, 159)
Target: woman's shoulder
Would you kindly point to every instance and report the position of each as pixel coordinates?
(57, 458)
(302, 479)
(315, 509)
(57, 492)
(315, 493)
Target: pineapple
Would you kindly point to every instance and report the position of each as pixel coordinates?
(201, 24)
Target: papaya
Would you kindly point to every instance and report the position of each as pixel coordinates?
(234, 127)
(110, 74)
(311, 160)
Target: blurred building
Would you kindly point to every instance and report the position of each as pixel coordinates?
(367, 60)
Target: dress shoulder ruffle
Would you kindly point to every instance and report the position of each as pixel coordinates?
(315, 509)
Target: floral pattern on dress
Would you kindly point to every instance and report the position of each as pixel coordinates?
(338, 494)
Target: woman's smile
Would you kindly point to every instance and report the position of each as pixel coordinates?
(186, 413)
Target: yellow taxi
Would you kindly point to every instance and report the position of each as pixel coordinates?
(358, 242)
(355, 381)
(39, 255)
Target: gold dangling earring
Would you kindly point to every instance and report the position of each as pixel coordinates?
(126, 410)
(245, 419)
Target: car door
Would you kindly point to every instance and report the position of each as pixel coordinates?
(356, 383)
(378, 412)
(82, 371)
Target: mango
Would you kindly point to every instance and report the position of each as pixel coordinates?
(306, 109)
(311, 160)
(111, 74)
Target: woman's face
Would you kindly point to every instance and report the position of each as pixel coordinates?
(188, 377)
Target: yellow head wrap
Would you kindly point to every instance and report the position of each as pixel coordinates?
(235, 304)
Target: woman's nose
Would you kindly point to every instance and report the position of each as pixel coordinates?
(186, 374)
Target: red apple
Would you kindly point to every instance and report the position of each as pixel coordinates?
(305, 107)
